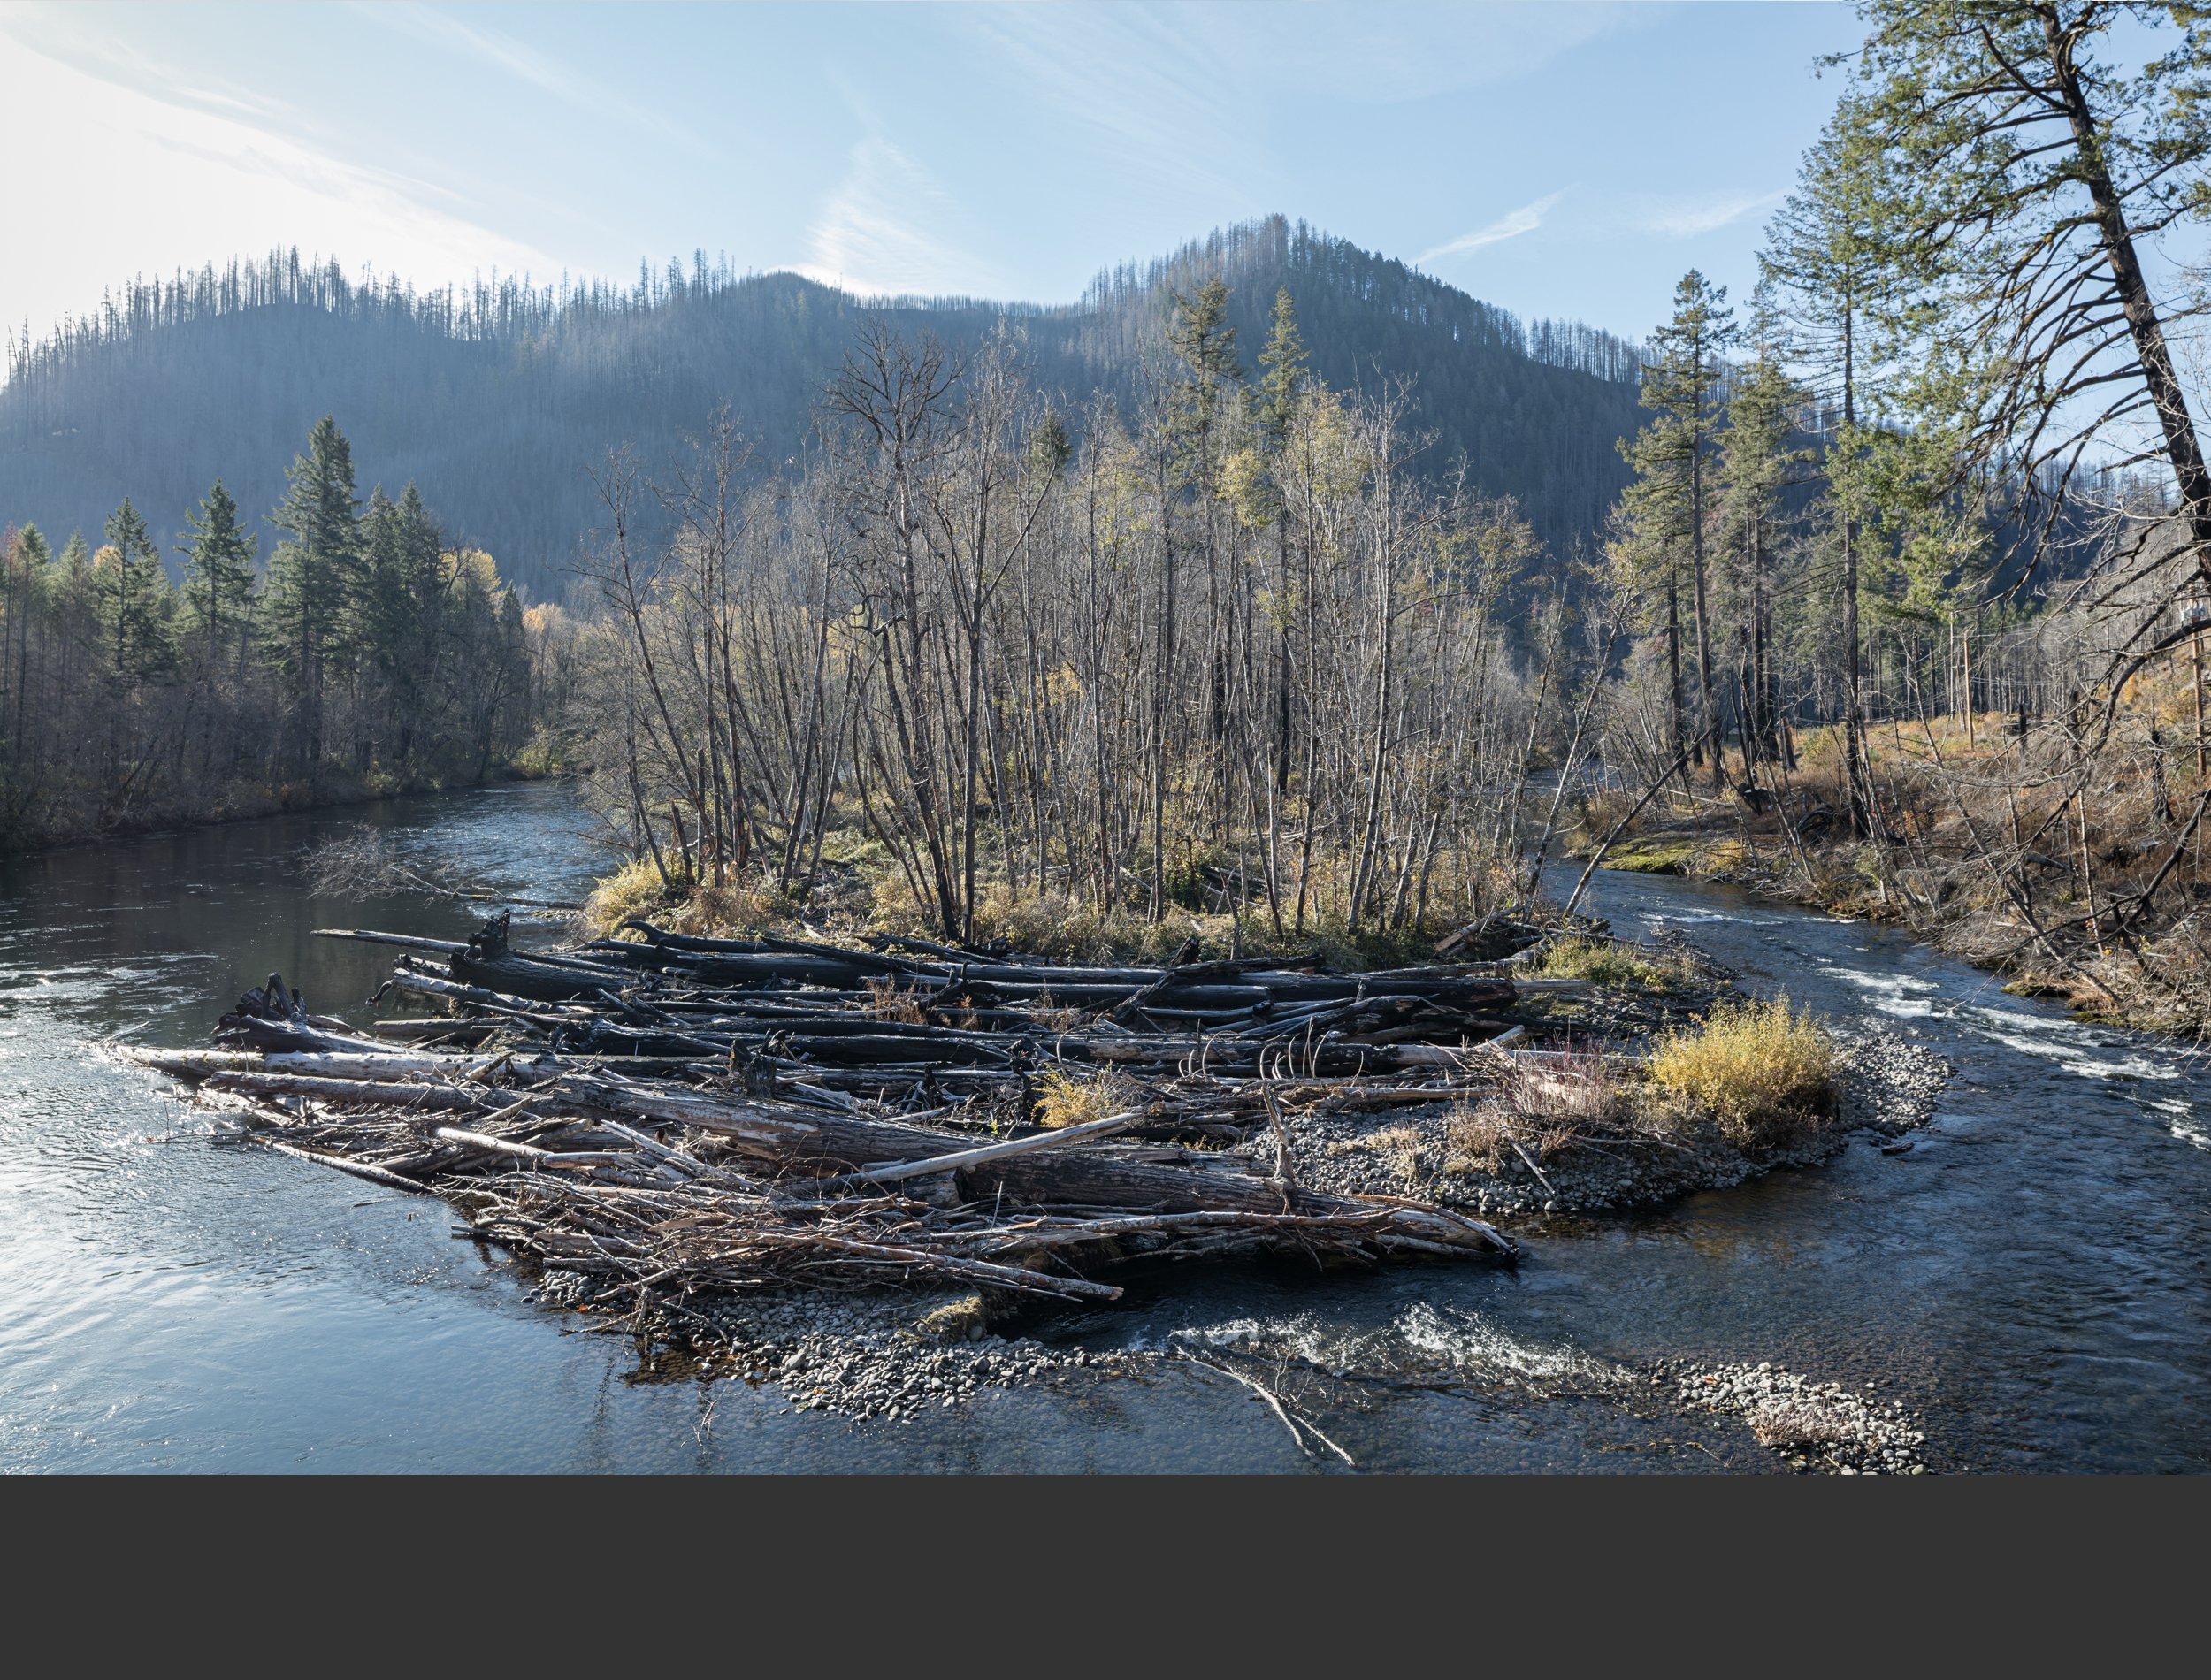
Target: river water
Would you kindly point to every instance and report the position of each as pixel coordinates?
(2034, 1276)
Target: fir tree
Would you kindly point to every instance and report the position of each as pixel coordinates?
(132, 591)
(219, 577)
(313, 577)
(1668, 504)
(1283, 375)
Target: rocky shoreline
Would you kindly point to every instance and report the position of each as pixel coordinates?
(1814, 1425)
(1887, 1086)
(888, 1360)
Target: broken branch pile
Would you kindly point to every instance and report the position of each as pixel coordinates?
(673, 1118)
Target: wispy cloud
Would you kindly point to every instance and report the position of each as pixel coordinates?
(882, 230)
(513, 56)
(1511, 224)
(1382, 52)
(1147, 82)
(1687, 217)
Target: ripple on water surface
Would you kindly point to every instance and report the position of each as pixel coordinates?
(2031, 1273)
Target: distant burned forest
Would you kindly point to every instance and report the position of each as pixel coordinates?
(501, 395)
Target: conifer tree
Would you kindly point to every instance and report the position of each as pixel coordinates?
(29, 562)
(1830, 250)
(218, 578)
(1668, 503)
(2025, 167)
(313, 577)
(1199, 331)
(1759, 460)
(131, 592)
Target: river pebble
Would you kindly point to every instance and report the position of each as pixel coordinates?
(1814, 1425)
(887, 1357)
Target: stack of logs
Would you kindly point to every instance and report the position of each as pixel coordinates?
(678, 1119)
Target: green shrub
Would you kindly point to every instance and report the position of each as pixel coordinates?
(1604, 963)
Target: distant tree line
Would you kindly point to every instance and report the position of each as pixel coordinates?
(496, 391)
(366, 655)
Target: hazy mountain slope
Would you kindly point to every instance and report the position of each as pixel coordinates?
(497, 400)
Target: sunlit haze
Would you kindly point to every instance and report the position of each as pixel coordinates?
(1561, 160)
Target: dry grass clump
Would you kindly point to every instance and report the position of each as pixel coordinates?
(888, 1001)
(1477, 1137)
(1794, 1422)
(1765, 1073)
(1544, 1108)
(1605, 962)
(1402, 1145)
(635, 890)
(1066, 1099)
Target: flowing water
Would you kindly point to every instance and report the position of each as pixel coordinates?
(2033, 1275)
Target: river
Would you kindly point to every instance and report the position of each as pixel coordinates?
(2032, 1276)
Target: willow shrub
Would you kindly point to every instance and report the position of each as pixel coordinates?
(1765, 1073)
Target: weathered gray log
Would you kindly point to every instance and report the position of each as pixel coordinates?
(962, 1159)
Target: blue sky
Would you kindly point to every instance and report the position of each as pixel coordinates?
(1560, 159)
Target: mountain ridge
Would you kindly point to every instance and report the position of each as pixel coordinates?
(496, 399)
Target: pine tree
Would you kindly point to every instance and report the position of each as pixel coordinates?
(1759, 460)
(1830, 249)
(2022, 165)
(313, 577)
(218, 578)
(131, 590)
(1669, 504)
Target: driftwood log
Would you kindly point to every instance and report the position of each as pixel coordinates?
(678, 1119)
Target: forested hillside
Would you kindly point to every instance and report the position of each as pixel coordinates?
(503, 395)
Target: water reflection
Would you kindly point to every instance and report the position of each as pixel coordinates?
(2033, 1273)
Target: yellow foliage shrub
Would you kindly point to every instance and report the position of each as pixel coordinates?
(1066, 1099)
(1764, 1072)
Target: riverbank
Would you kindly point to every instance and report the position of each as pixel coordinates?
(259, 804)
(2094, 898)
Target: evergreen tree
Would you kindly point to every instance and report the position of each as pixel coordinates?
(1283, 375)
(1759, 460)
(423, 584)
(132, 591)
(313, 578)
(1050, 449)
(1669, 503)
(1200, 334)
(218, 578)
(2023, 165)
(1829, 248)
(29, 563)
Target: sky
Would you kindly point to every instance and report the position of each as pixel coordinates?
(1560, 159)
